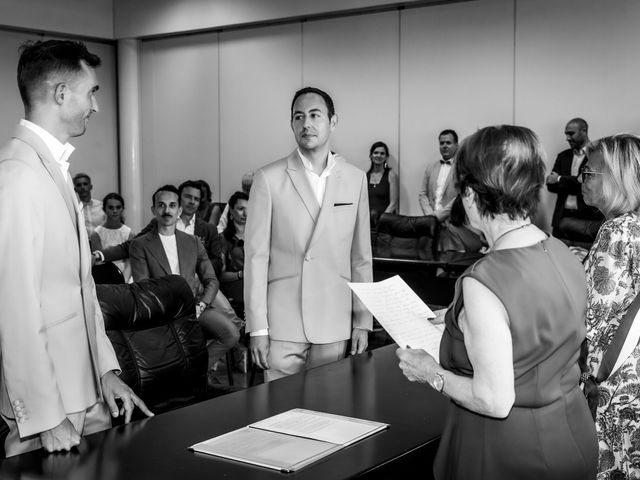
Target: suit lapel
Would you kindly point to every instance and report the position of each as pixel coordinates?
(30, 138)
(157, 251)
(295, 170)
(326, 212)
(434, 183)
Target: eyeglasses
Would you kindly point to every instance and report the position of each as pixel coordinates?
(584, 175)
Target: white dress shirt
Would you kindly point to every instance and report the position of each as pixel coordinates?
(171, 251)
(59, 152)
(441, 183)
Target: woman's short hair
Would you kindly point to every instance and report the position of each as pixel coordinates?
(621, 179)
(504, 166)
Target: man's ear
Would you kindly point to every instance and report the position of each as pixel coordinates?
(59, 93)
(333, 122)
(153, 210)
(179, 211)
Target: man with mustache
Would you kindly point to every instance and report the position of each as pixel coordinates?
(166, 250)
(306, 236)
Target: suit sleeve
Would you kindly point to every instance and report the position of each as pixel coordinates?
(138, 260)
(215, 249)
(568, 184)
(423, 195)
(361, 258)
(257, 247)
(26, 365)
(206, 274)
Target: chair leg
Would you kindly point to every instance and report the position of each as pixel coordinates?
(229, 360)
(252, 377)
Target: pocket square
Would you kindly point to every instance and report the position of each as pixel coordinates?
(341, 204)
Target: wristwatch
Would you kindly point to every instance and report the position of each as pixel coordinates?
(437, 383)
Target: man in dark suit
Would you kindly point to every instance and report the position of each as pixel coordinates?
(165, 251)
(573, 220)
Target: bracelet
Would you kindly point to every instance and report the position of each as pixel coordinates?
(238, 275)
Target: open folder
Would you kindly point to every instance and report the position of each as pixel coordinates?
(401, 313)
(290, 440)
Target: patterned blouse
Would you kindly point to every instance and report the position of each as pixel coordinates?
(613, 281)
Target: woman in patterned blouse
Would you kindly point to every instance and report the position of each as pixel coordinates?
(611, 182)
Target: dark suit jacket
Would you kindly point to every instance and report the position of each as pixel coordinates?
(569, 185)
(204, 231)
(148, 260)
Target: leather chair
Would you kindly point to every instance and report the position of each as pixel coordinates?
(402, 236)
(157, 339)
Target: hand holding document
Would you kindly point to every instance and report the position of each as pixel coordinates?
(401, 313)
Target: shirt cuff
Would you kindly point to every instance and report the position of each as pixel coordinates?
(259, 333)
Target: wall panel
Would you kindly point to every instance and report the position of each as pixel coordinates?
(259, 72)
(456, 71)
(576, 58)
(180, 129)
(355, 60)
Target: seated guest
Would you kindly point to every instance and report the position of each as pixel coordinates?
(459, 235)
(91, 208)
(206, 206)
(113, 232)
(438, 189)
(573, 220)
(247, 181)
(509, 353)
(165, 251)
(382, 182)
(231, 282)
(611, 182)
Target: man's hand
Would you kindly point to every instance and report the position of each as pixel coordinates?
(553, 177)
(60, 438)
(112, 389)
(359, 341)
(259, 345)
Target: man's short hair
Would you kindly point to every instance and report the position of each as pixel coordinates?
(191, 184)
(504, 166)
(164, 188)
(449, 132)
(325, 96)
(78, 176)
(42, 61)
(581, 122)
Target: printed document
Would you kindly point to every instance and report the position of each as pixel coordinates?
(401, 313)
(290, 440)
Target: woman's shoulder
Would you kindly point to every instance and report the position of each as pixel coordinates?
(625, 227)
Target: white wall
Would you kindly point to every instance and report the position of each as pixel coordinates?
(180, 125)
(398, 76)
(97, 150)
(142, 18)
(88, 18)
(576, 58)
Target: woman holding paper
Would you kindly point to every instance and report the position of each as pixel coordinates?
(509, 354)
(611, 182)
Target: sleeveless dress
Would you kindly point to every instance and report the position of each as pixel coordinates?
(549, 433)
(110, 237)
(379, 196)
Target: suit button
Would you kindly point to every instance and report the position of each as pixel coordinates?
(307, 258)
(21, 420)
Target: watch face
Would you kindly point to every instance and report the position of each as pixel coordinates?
(438, 382)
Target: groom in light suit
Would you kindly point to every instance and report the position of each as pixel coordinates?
(58, 369)
(307, 235)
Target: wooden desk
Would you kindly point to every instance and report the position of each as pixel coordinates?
(369, 386)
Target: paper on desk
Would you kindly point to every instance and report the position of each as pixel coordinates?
(401, 313)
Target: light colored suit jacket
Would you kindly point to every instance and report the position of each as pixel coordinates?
(299, 255)
(427, 194)
(52, 338)
(149, 260)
